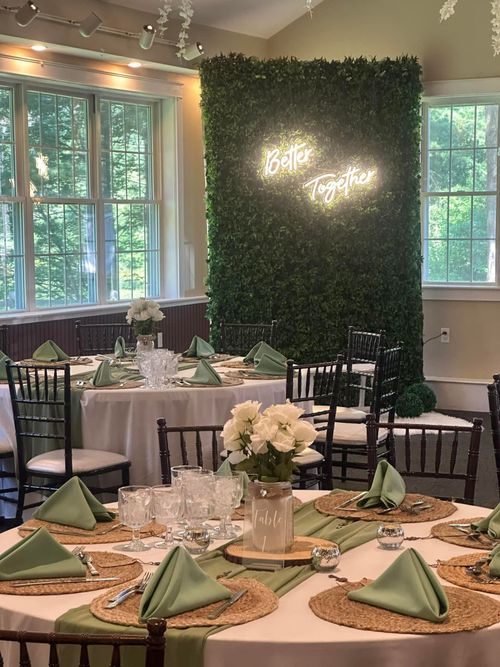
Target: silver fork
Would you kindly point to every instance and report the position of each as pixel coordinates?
(124, 595)
(86, 559)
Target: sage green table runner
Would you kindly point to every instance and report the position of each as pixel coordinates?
(184, 648)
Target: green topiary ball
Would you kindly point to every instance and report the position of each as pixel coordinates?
(409, 405)
(425, 394)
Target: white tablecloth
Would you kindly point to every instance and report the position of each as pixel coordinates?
(293, 635)
(124, 420)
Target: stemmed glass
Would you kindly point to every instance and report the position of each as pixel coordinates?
(171, 367)
(199, 489)
(166, 502)
(134, 508)
(178, 473)
(228, 492)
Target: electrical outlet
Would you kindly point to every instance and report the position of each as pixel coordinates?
(445, 335)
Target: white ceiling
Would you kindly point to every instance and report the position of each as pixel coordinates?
(259, 18)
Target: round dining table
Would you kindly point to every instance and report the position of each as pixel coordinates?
(292, 635)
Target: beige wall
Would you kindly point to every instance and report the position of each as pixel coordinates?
(85, 51)
(459, 48)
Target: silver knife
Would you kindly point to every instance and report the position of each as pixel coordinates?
(225, 605)
(55, 531)
(68, 580)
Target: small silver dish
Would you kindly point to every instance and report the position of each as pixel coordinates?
(196, 540)
(325, 559)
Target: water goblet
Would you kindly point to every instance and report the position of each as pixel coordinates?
(166, 504)
(134, 508)
(390, 535)
(227, 497)
(177, 474)
(171, 368)
(200, 497)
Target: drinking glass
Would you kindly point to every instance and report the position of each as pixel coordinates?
(177, 473)
(199, 492)
(390, 535)
(171, 368)
(134, 508)
(227, 496)
(166, 504)
(153, 367)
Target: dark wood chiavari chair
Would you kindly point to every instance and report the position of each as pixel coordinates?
(306, 385)
(153, 644)
(362, 348)
(181, 437)
(419, 459)
(6, 452)
(238, 339)
(41, 405)
(101, 338)
(494, 403)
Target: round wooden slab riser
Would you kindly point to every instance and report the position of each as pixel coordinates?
(300, 553)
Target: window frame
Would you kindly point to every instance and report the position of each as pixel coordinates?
(161, 134)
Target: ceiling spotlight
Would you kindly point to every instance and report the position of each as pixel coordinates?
(90, 24)
(134, 64)
(26, 14)
(39, 47)
(193, 51)
(147, 36)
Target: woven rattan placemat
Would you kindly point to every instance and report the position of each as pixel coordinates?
(104, 533)
(107, 564)
(447, 533)
(258, 601)
(251, 375)
(439, 510)
(468, 611)
(455, 571)
(226, 382)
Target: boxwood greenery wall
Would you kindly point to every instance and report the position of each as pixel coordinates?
(274, 253)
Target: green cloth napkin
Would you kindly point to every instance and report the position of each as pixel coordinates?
(185, 647)
(267, 365)
(224, 469)
(494, 563)
(38, 556)
(258, 351)
(74, 505)
(204, 374)
(490, 524)
(103, 376)
(250, 358)
(387, 489)
(199, 348)
(3, 365)
(179, 585)
(49, 351)
(408, 587)
(120, 351)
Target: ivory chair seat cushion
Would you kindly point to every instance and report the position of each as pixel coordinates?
(347, 414)
(84, 460)
(350, 434)
(5, 448)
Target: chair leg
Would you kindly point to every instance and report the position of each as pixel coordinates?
(126, 476)
(343, 473)
(21, 494)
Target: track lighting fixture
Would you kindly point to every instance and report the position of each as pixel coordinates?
(193, 51)
(90, 24)
(147, 36)
(26, 14)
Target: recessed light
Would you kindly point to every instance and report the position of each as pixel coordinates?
(134, 64)
(39, 47)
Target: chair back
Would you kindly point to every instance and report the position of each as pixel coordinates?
(4, 339)
(41, 406)
(153, 643)
(183, 439)
(362, 346)
(494, 403)
(425, 452)
(386, 382)
(101, 338)
(239, 339)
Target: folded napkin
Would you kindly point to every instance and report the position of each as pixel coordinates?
(204, 374)
(178, 585)
(490, 524)
(494, 563)
(49, 351)
(224, 469)
(103, 376)
(38, 556)
(387, 489)
(267, 365)
(258, 351)
(3, 365)
(199, 348)
(73, 505)
(408, 587)
(120, 352)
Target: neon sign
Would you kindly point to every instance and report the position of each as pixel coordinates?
(324, 188)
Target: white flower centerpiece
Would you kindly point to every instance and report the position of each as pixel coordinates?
(264, 446)
(144, 316)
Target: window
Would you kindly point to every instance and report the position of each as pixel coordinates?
(459, 198)
(78, 184)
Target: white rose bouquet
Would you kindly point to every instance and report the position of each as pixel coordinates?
(264, 444)
(144, 315)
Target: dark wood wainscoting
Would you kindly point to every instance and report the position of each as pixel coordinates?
(181, 323)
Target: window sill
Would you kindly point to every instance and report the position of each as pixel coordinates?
(460, 293)
(89, 311)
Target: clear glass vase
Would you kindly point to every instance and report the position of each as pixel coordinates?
(271, 516)
(145, 343)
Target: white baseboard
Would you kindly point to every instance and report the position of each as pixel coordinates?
(460, 393)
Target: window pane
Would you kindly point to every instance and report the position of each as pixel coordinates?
(7, 165)
(437, 259)
(58, 145)
(439, 127)
(487, 126)
(439, 171)
(460, 217)
(463, 120)
(437, 218)
(483, 261)
(11, 258)
(486, 169)
(484, 217)
(459, 261)
(462, 170)
(65, 254)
